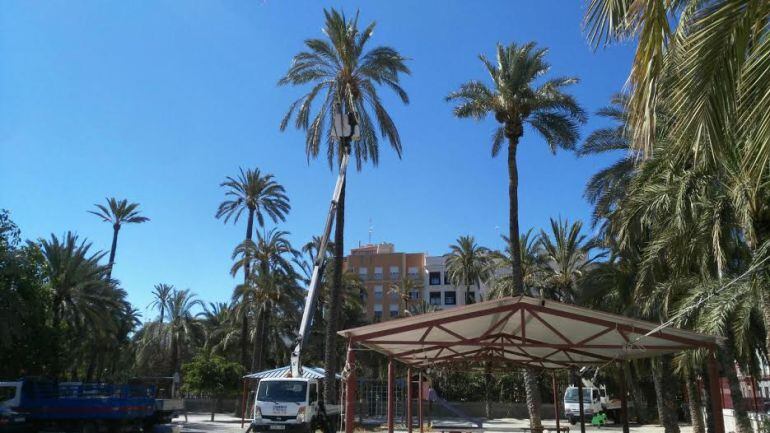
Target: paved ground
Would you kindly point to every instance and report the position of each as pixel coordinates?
(199, 423)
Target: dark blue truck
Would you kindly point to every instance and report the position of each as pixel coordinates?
(84, 408)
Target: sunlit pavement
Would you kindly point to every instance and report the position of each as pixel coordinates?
(199, 422)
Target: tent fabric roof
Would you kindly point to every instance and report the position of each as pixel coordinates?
(522, 331)
(307, 373)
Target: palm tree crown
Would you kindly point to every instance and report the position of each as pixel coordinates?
(119, 212)
(253, 192)
(161, 294)
(514, 100)
(347, 77)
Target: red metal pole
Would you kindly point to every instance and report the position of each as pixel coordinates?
(716, 393)
(391, 378)
(350, 391)
(555, 401)
(420, 397)
(243, 402)
(409, 400)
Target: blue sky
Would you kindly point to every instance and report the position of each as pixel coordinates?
(158, 101)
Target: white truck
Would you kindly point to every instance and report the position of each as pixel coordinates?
(294, 403)
(595, 400)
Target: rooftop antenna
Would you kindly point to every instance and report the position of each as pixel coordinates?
(371, 229)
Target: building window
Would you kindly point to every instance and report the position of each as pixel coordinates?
(378, 293)
(414, 295)
(470, 298)
(435, 298)
(446, 278)
(434, 278)
(378, 273)
(393, 311)
(363, 273)
(450, 298)
(413, 274)
(377, 316)
(395, 273)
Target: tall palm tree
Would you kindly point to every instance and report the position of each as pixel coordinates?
(259, 195)
(516, 101)
(117, 213)
(567, 258)
(468, 264)
(161, 294)
(347, 76)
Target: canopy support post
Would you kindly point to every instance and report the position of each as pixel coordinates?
(716, 393)
(555, 401)
(420, 398)
(391, 377)
(350, 391)
(623, 395)
(580, 403)
(409, 400)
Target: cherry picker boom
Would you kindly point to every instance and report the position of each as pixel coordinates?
(294, 403)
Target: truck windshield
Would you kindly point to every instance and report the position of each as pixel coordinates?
(571, 396)
(280, 391)
(7, 393)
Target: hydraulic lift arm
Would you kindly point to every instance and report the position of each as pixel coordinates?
(311, 299)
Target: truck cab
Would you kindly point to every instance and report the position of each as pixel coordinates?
(290, 404)
(592, 402)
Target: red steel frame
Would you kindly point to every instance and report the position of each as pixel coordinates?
(494, 344)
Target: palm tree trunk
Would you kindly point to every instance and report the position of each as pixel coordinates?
(256, 352)
(532, 390)
(694, 403)
(246, 273)
(727, 361)
(530, 379)
(162, 310)
(664, 393)
(513, 216)
(335, 299)
(640, 403)
(707, 401)
(115, 230)
(174, 355)
(766, 317)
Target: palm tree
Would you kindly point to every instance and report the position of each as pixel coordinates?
(219, 326)
(516, 101)
(609, 185)
(468, 264)
(183, 328)
(161, 293)
(502, 261)
(347, 77)
(257, 194)
(81, 292)
(117, 213)
(403, 288)
(567, 258)
(270, 259)
(707, 59)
